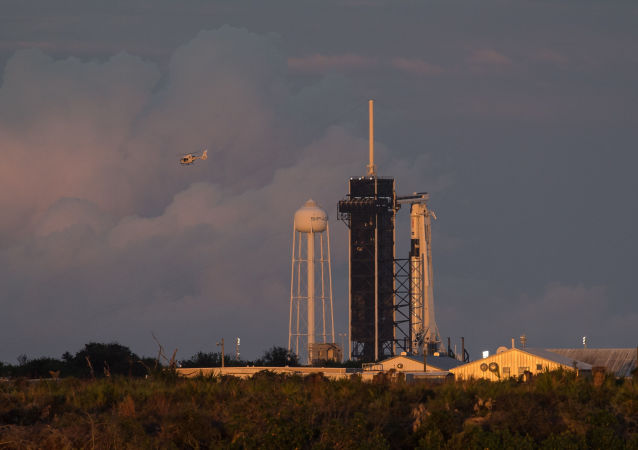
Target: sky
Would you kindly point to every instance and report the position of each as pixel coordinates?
(520, 118)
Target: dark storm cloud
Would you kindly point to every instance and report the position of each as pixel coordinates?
(114, 238)
(520, 120)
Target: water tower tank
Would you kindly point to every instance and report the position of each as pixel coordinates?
(310, 218)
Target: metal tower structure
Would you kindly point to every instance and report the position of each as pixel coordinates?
(390, 301)
(369, 211)
(310, 221)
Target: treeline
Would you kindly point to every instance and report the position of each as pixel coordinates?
(276, 356)
(96, 360)
(554, 410)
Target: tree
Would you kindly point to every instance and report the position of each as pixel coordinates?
(4, 369)
(278, 357)
(201, 359)
(106, 359)
(38, 368)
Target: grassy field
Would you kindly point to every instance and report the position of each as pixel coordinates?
(554, 410)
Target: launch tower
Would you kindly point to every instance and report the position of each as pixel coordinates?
(390, 300)
(369, 211)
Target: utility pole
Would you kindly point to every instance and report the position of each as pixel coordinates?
(425, 358)
(222, 344)
(343, 346)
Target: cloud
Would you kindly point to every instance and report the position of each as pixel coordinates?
(108, 132)
(104, 236)
(81, 47)
(563, 313)
(105, 232)
(322, 63)
(111, 238)
(489, 57)
(558, 302)
(550, 56)
(64, 124)
(68, 212)
(208, 258)
(319, 63)
(558, 315)
(416, 66)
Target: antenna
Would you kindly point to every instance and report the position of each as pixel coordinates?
(372, 169)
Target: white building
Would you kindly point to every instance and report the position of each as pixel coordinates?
(516, 361)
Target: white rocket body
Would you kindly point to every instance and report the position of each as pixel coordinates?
(424, 330)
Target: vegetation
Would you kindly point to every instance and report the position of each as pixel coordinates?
(95, 360)
(554, 410)
(213, 359)
(274, 357)
(278, 357)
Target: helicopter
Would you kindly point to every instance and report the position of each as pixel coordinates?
(190, 158)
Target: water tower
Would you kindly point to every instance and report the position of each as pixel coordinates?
(311, 287)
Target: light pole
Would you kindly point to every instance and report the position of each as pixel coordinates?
(222, 344)
(343, 345)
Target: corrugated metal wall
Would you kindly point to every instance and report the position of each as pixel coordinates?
(620, 361)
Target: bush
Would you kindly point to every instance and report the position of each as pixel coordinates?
(99, 360)
(213, 359)
(278, 357)
(272, 410)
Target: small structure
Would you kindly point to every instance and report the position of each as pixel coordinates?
(515, 362)
(333, 373)
(435, 370)
(429, 377)
(325, 352)
(405, 363)
(619, 361)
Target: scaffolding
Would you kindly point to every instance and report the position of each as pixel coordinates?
(369, 213)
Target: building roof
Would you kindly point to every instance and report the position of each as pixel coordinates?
(558, 358)
(440, 362)
(620, 361)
